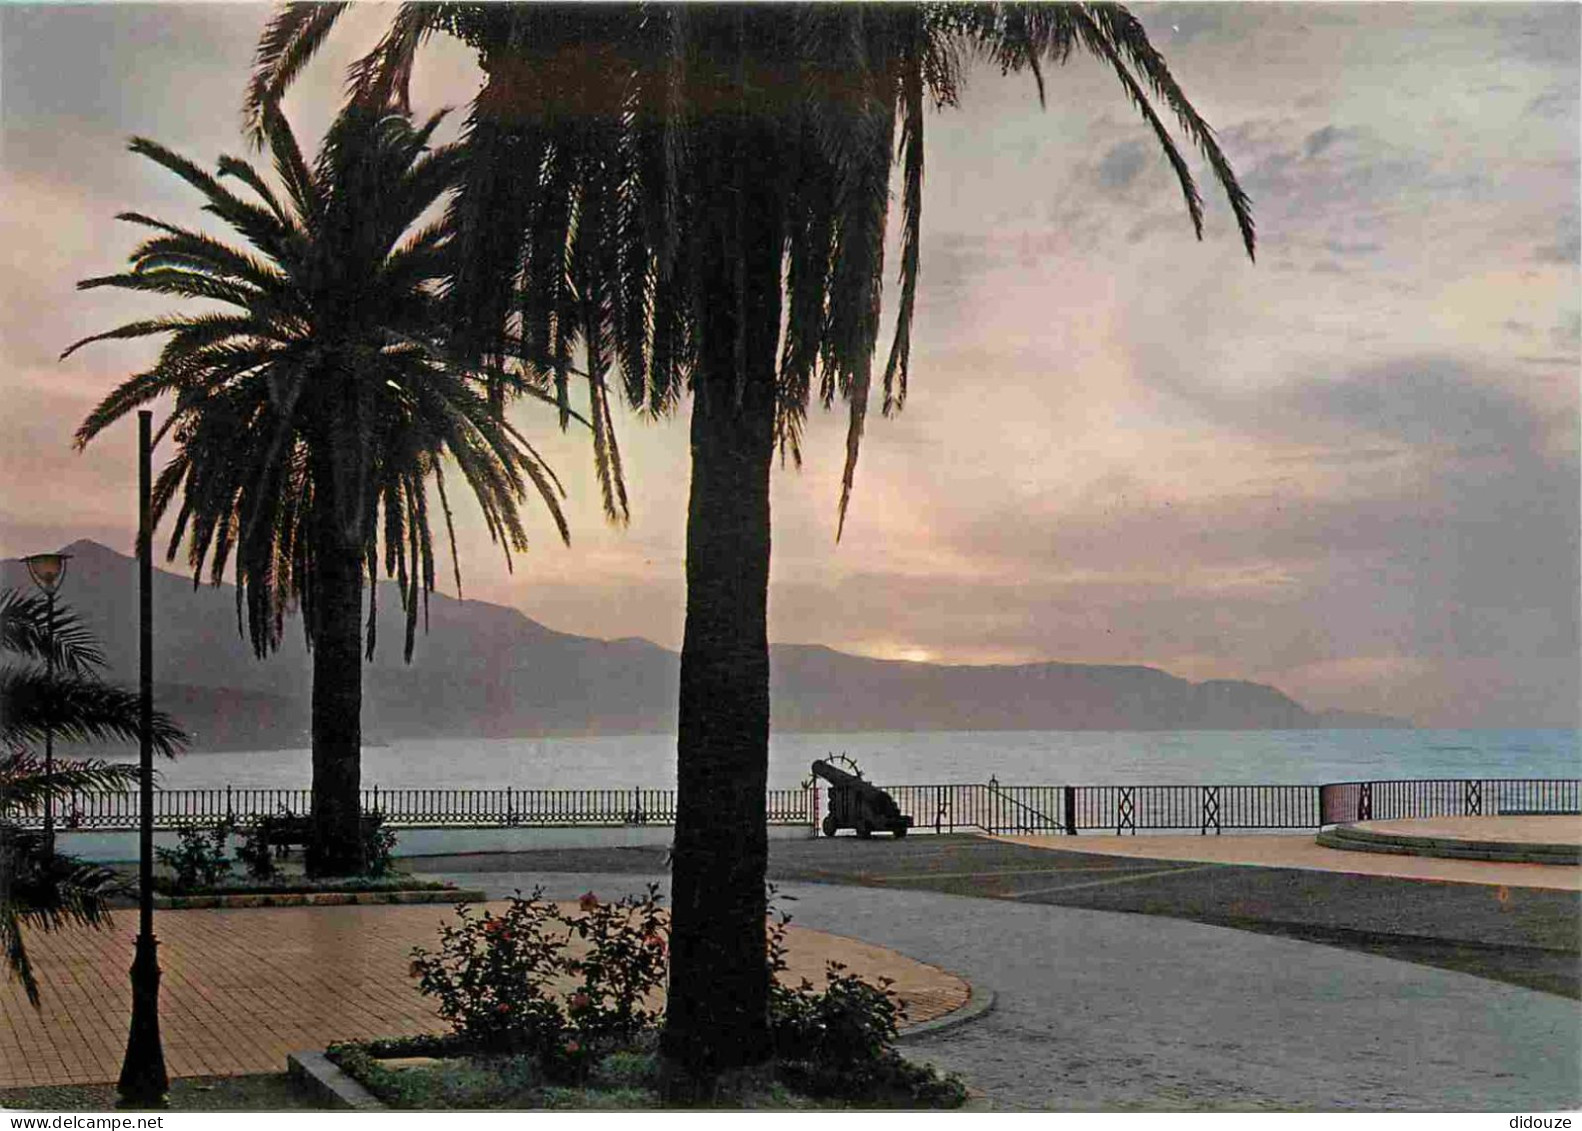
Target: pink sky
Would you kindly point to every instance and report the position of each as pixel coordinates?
(1350, 470)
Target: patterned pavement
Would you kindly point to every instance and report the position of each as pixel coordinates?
(243, 988)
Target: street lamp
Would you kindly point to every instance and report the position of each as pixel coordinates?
(48, 572)
(144, 1082)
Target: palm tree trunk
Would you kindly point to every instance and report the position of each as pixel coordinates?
(717, 1015)
(336, 848)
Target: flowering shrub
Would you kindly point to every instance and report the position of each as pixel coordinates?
(624, 963)
(493, 974)
(496, 976)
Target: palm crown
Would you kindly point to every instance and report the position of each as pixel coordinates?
(311, 410)
(588, 150)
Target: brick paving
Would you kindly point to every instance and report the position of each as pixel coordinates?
(243, 988)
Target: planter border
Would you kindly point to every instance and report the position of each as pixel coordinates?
(316, 898)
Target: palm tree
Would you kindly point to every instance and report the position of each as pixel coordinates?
(40, 888)
(697, 196)
(313, 409)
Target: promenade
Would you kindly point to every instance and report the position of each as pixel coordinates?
(1117, 983)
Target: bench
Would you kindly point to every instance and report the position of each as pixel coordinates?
(284, 832)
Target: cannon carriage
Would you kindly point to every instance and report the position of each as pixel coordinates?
(858, 805)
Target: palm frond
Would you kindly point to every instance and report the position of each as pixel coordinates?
(289, 41)
(26, 630)
(45, 891)
(76, 709)
(24, 783)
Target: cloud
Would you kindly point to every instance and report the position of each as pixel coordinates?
(1567, 245)
(1321, 139)
(1121, 165)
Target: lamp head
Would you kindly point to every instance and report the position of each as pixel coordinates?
(47, 571)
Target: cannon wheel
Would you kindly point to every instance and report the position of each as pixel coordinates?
(864, 829)
(829, 824)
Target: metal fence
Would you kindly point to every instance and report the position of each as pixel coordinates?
(1342, 802)
(406, 808)
(986, 807)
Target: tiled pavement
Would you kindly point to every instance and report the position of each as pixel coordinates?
(243, 988)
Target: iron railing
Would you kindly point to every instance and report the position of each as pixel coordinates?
(406, 808)
(990, 807)
(1343, 802)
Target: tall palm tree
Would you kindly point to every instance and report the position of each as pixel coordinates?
(39, 888)
(697, 196)
(314, 408)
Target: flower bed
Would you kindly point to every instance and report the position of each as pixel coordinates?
(555, 1007)
(443, 1074)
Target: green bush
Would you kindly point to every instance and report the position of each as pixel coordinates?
(491, 976)
(625, 961)
(379, 841)
(838, 1042)
(255, 853)
(494, 977)
(200, 859)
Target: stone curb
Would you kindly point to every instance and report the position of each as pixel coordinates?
(314, 899)
(1351, 839)
(328, 1083)
(980, 1001)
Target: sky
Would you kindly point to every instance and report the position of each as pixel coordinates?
(1349, 470)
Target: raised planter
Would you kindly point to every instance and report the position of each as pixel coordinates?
(316, 898)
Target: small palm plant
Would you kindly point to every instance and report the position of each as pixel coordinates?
(39, 888)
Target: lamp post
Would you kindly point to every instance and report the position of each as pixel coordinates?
(144, 1082)
(48, 572)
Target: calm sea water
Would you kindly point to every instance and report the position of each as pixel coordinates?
(1014, 757)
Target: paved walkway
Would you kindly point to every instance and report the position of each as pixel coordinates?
(242, 988)
(1302, 851)
(1098, 1011)
(1560, 828)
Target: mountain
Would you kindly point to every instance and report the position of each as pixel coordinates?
(489, 671)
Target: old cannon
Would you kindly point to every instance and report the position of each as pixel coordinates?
(860, 805)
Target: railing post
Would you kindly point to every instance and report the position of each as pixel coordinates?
(1210, 810)
(1070, 807)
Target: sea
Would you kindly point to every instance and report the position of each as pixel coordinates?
(1283, 757)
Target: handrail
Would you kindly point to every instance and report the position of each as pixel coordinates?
(994, 807)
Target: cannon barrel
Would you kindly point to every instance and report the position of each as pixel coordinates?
(837, 776)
